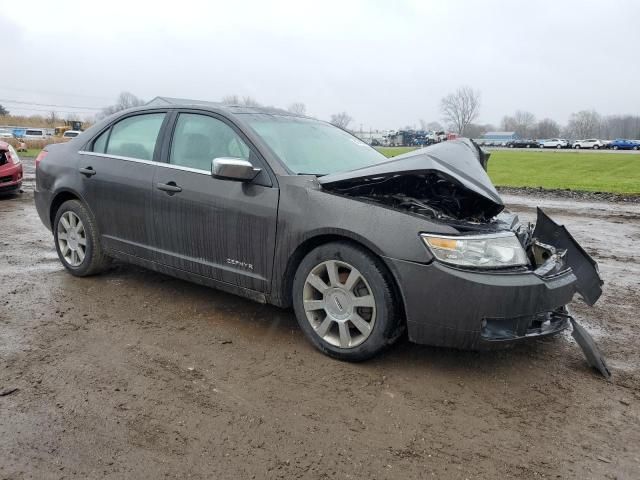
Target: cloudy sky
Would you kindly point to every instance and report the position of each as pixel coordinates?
(386, 63)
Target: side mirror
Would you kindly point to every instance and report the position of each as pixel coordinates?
(231, 168)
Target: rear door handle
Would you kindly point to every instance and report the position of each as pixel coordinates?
(170, 187)
(87, 171)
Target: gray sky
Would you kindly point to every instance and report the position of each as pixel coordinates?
(386, 63)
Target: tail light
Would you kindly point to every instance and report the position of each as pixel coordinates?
(40, 157)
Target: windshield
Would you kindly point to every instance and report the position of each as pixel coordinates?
(310, 146)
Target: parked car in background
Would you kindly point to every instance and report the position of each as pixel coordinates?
(10, 169)
(555, 143)
(625, 144)
(34, 134)
(296, 212)
(4, 133)
(71, 134)
(523, 143)
(593, 143)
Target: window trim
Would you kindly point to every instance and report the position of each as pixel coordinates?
(90, 144)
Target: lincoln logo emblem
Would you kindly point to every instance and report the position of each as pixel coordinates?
(339, 305)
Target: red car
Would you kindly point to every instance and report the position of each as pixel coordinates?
(10, 169)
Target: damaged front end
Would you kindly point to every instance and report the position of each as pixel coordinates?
(448, 184)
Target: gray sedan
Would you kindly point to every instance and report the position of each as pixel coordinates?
(295, 212)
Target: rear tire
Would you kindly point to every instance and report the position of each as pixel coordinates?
(558, 147)
(344, 302)
(77, 240)
(596, 147)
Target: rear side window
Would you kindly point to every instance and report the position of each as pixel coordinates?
(34, 132)
(198, 139)
(133, 137)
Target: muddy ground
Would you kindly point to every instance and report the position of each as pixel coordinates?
(134, 374)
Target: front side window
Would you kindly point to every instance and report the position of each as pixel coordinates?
(311, 146)
(134, 137)
(198, 139)
(100, 143)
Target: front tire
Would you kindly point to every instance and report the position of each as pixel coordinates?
(77, 241)
(344, 302)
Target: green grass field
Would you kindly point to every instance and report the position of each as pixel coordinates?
(588, 171)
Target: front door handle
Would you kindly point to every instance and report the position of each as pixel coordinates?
(87, 171)
(170, 187)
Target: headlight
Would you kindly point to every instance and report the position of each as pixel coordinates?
(483, 251)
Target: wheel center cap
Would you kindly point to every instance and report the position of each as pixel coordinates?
(338, 304)
(73, 241)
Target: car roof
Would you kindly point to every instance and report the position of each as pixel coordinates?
(214, 106)
(4, 146)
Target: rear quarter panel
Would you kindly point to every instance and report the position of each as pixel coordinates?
(57, 173)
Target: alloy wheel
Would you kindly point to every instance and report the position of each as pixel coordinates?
(72, 239)
(339, 304)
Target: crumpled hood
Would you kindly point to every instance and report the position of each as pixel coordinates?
(460, 161)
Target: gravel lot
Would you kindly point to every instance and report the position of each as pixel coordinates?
(134, 374)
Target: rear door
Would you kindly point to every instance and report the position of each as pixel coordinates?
(117, 172)
(215, 228)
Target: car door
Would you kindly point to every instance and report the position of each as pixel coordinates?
(117, 170)
(220, 229)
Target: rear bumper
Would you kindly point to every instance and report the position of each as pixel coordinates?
(42, 199)
(449, 307)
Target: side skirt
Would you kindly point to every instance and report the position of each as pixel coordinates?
(190, 277)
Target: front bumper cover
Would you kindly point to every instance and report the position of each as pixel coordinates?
(450, 307)
(471, 309)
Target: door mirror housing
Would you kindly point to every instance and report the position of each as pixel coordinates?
(231, 168)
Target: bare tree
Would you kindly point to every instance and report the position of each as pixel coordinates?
(231, 100)
(621, 126)
(435, 126)
(341, 120)
(461, 108)
(524, 122)
(584, 124)
(125, 100)
(250, 102)
(52, 119)
(298, 108)
(475, 130)
(236, 100)
(546, 128)
(521, 122)
(508, 124)
(3, 111)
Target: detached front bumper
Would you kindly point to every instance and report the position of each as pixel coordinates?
(449, 307)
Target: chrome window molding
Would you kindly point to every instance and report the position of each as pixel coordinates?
(146, 162)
